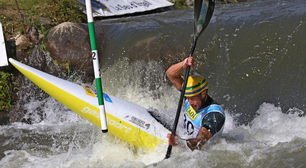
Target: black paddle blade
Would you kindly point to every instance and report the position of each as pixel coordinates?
(203, 11)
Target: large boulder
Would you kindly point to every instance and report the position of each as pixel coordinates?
(69, 44)
(65, 53)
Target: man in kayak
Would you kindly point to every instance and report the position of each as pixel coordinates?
(203, 117)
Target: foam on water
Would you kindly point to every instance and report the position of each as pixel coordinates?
(78, 143)
(257, 69)
(64, 139)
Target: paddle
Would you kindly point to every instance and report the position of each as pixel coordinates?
(96, 66)
(203, 10)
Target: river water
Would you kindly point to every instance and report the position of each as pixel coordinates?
(253, 56)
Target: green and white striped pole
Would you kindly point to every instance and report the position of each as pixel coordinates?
(96, 66)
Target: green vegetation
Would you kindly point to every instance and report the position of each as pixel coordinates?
(42, 14)
(43, 32)
(180, 4)
(67, 65)
(45, 14)
(6, 89)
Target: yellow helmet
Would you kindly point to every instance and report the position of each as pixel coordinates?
(195, 85)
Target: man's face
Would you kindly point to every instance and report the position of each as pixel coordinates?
(195, 101)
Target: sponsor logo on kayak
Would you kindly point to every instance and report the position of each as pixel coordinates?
(147, 126)
(88, 91)
(90, 111)
(109, 121)
(137, 121)
(118, 125)
(93, 93)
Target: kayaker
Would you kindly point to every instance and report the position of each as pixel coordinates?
(203, 117)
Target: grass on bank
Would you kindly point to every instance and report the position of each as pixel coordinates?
(6, 87)
(42, 14)
(45, 14)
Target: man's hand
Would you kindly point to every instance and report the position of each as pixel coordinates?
(174, 72)
(188, 61)
(196, 143)
(172, 139)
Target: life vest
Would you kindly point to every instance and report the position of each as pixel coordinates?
(193, 118)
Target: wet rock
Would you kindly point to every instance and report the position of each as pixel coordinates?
(69, 44)
(4, 117)
(33, 35)
(66, 53)
(21, 40)
(44, 20)
(189, 2)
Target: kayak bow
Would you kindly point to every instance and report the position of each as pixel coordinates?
(126, 120)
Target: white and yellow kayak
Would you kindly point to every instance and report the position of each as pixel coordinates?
(125, 120)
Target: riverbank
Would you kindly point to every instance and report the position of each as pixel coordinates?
(45, 14)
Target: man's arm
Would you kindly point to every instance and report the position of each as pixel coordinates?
(196, 143)
(174, 72)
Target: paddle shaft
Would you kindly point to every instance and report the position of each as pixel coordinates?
(202, 10)
(173, 132)
(95, 59)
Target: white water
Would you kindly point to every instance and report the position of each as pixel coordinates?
(271, 139)
(64, 139)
